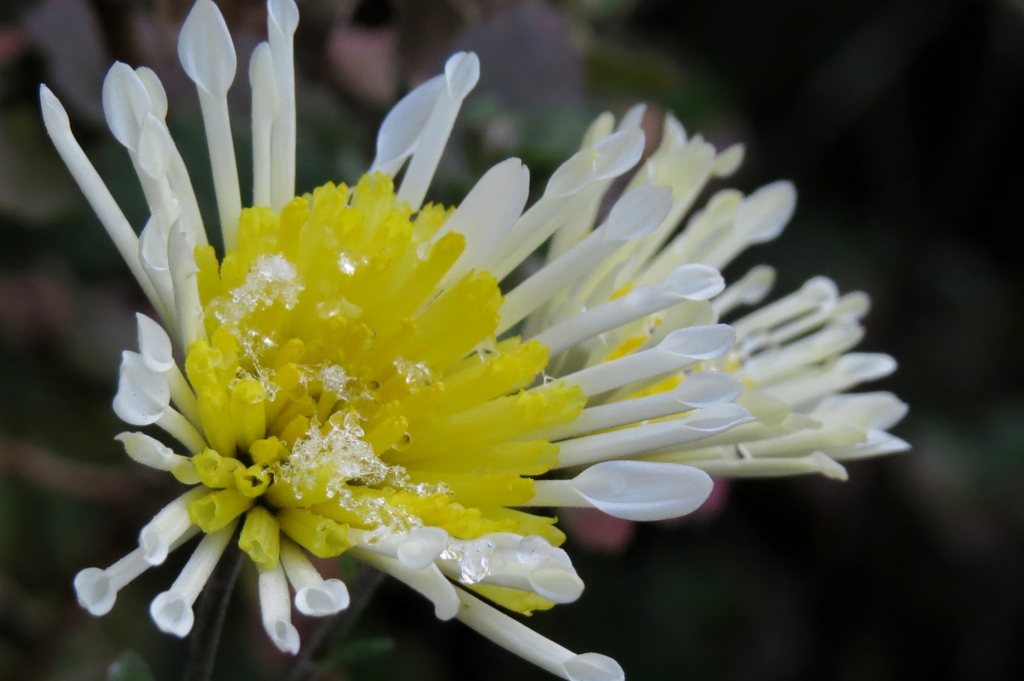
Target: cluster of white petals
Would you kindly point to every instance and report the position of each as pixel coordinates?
(624, 303)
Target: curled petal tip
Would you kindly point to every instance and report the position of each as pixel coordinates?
(94, 591)
(285, 636)
(172, 614)
(461, 72)
(593, 667)
(323, 599)
(557, 584)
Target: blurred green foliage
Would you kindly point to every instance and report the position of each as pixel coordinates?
(129, 666)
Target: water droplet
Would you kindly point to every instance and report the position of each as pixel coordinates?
(475, 562)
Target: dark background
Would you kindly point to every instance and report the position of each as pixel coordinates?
(899, 120)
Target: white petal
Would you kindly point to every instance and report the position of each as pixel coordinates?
(422, 547)
(284, 635)
(276, 609)
(637, 213)
(154, 344)
(828, 436)
(126, 102)
(878, 443)
(208, 56)
(265, 104)
(705, 231)
(705, 388)
(94, 591)
(617, 153)
(486, 215)
(673, 132)
(770, 366)
(178, 427)
(184, 273)
(402, 127)
(773, 467)
(152, 151)
(854, 305)
(97, 589)
(172, 610)
(142, 394)
(644, 490)
(461, 72)
(627, 442)
(282, 20)
(752, 431)
(729, 161)
(695, 282)
(699, 342)
(751, 289)
(593, 667)
(168, 528)
(699, 390)
(574, 174)
(429, 581)
(153, 249)
(327, 598)
(314, 596)
(545, 217)
(765, 213)
(633, 215)
(557, 584)
(678, 350)
(601, 127)
(148, 451)
(172, 614)
(284, 13)
(157, 94)
(633, 118)
(58, 126)
(848, 371)
(816, 293)
(877, 410)
(205, 49)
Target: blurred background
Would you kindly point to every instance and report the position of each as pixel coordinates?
(899, 120)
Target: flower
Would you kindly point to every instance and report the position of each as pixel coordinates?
(352, 382)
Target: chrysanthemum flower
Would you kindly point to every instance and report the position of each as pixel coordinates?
(354, 379)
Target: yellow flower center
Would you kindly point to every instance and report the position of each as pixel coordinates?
(340, 389)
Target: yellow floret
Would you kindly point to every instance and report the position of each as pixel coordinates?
(339, 388)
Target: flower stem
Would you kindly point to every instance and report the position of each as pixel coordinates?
(213, 605)
(336, 628)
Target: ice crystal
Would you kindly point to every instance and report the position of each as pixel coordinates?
(349, 263)
(414, 372)
(271, 279)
